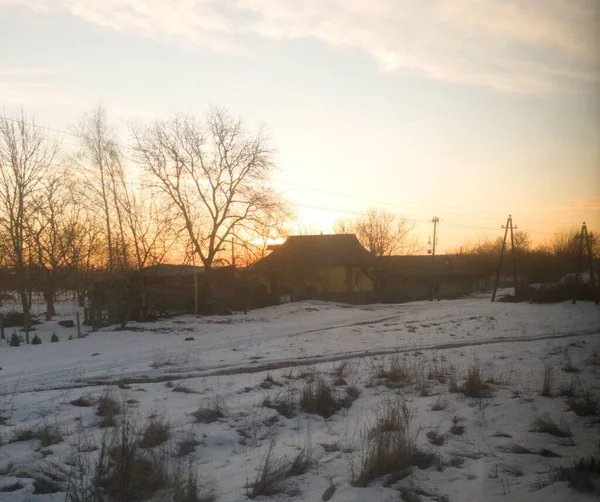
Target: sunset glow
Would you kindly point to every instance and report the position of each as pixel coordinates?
(467, 110)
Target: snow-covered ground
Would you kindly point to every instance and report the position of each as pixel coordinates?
(241, 363)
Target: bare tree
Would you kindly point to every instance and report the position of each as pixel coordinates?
(54, 230)
(100, 158)
(26, 156)
(382, 232)
(216, 174)
(85, 253)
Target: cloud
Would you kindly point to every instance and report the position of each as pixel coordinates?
(527, 46)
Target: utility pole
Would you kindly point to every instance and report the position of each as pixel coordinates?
(514, 255)
(588, 246)
(434, 291)
(509, 225)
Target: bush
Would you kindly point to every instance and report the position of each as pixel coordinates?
(15, 341)
(36, 340)
(54, 338)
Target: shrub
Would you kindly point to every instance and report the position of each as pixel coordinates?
(54, 338)
(15, 341)
(36, 340)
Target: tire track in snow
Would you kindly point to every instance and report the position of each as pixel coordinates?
(225, 370)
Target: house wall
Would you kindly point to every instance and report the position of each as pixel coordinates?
(319, 279)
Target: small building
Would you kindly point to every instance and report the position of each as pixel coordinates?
(313, 266)
(410, 278)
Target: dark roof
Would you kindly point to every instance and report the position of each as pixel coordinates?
(414, 265)
(317, 250)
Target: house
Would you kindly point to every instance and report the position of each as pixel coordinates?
(306, 266)
(410, 278)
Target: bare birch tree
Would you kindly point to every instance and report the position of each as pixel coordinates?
(26, 157)
(216, 174)
(100, 158)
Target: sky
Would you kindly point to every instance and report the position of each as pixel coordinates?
(468, 110)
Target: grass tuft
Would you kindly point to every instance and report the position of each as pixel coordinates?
(547, 425)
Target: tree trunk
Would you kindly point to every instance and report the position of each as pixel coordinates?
(26, 312)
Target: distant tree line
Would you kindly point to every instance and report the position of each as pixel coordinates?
(548, 262)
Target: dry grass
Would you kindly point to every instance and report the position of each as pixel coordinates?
(547, 380)
(209, 412)
(155, 433)
(388, 446)
(440, 403)
(284, 404)
(435, 438)
(585, 405)
(319, 398)
(47, 434)
(474, 384)
(272, 475)
(107, 408)
(549, 426)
